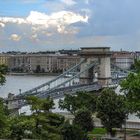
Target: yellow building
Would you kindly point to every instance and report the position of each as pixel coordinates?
(4, 59)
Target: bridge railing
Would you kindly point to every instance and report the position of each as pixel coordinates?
(68, 80)
(28, 92)
(118, 68)
(119, 73)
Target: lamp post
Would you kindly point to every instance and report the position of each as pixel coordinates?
(125, 129)
(19, 91)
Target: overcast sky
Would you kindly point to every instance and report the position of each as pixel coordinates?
(39, 25)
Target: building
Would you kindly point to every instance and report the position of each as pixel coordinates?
(137, 55)
(64, 62)
(122, 59)
(36, 62)
(19, 63)
(4, 59)
(43, 62)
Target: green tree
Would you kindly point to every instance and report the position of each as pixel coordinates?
(40, 124)
(38, 105)
(87, 100)
(111, 109)
(69, 103)
(136, 65)
(3, 70)
(131, 88)
(81, 100)
(47, 124)
(3, 118)
(72, 132)
(83, 118)
(21, 127)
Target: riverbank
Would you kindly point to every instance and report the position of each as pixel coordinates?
(36, 74)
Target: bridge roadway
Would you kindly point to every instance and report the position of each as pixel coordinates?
(19, 101)
(60, 92)
(57, 93)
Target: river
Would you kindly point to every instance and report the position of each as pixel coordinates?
(26, 82)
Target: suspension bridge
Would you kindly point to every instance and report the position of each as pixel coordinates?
(92, 73)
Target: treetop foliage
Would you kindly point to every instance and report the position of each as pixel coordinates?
(111, 109)
(3, 70)
(82, 100)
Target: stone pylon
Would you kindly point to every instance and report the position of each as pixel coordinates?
(92, 55)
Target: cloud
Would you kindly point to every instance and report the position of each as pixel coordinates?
(59, 20)
(2, 24)
(15, 37)
(69, 2)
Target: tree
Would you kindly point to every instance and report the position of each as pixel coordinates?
(131, 88)
(111, 109)
(21, 127)
(3, 118)
(38, 105)
(81, 100)
(3, 70)
(69, 103)
(71, 132)
(40, 124)
(136, 65)
(87, 100)
(83, 118)
(47, 124)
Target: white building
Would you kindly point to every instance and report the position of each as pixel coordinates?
(123, 59)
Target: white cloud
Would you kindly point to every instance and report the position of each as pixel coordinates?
(68, 2)
(13, 20)
(2, 24)
(15, 37)
(59, 20)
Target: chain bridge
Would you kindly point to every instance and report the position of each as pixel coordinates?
(93, 72)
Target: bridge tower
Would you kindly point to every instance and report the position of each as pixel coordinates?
(13, 105)
(92, 55)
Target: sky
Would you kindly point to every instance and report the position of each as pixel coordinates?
(40, 25)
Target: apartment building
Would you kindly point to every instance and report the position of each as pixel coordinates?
(137, 55)
(67, 61)
(4, 59)
(45, 62)
(39, 62)
(122, 59)
(19, 62)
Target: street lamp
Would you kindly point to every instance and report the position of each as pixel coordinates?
(19, 91)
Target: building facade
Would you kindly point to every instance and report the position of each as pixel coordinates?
(123, 59)
(4, 59)
(39, 62)
(137, 55)
(58, 62)
(67, 61)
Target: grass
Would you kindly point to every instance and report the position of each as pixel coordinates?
(99, 131)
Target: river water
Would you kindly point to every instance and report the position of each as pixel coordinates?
(15, 83)
(25, 82)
